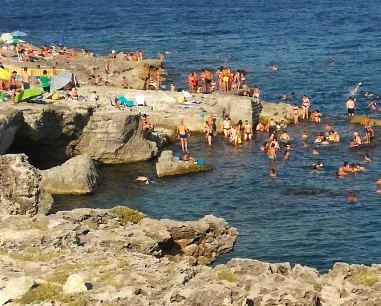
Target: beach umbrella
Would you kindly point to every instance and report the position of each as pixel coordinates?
(61, 39)
(6, 37)
(18, 34)
(27, 94)
(60, 81)
(4, 74)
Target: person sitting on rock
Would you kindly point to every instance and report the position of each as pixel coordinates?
(186, 157)
(113, 54)
(147, 126)
(125, 83)
(73, 95)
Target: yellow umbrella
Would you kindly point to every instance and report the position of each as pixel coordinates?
(4, 74)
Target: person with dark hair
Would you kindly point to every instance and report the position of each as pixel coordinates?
(13, 85)
(247, 131)
(45, 81)
(272, 173)
(271, 152)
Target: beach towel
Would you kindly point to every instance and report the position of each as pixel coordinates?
(123, 101)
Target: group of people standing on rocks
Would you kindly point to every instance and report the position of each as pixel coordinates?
(227, 80)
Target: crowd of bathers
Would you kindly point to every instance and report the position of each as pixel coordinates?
(226, 80)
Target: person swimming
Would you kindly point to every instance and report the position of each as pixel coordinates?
(144, 179)
(352, 197)
(272, 173)
(367, 158)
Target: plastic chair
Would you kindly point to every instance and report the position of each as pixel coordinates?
(140, 100)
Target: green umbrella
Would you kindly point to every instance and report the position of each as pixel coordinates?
(27, 94)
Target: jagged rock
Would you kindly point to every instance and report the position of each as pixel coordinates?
(10, 121)
(75, 284)
(168, 165)
(113, 137)
(15, 288)
(76, 176)
(202, 240)
(20, 190)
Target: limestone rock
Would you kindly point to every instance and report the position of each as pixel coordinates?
(46, 134)
(20, 190)
(168, 165)
(15, 288)
(75, 284)
(113, 138)
(10, 121)
(76, 176)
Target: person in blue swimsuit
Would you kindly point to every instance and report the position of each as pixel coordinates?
(183, 133)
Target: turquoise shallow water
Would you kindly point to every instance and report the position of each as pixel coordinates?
(301, 37)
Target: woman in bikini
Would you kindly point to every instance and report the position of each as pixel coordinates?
(295, 109)
(305, 106)
(234, 135)
(226, 126)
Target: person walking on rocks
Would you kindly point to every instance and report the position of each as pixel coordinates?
(183, 133)
(107, 69)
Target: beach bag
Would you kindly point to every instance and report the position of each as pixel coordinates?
(214, 133)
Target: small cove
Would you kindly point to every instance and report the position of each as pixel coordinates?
(301, 216)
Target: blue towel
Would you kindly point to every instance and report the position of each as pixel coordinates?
(122, 100)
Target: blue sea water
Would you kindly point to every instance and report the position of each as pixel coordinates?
(301, 37)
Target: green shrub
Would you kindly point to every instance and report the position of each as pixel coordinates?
(228, 276)
(368, 278)
(43, 292)
(105, 276)
(127, 214)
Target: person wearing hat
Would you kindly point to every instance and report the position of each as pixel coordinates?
(112, 54)
(356, 140)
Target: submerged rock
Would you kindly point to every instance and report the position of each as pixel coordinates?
(20, 190)
(168, 165)
(77, 176)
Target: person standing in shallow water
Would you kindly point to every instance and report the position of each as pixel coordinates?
(183, 133)
(271, 152)
(305, 106)
(351, 106)
(295, 109)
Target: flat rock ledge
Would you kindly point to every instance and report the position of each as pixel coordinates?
(121, 257)
(168, 165)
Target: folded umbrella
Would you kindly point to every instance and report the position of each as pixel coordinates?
(4, 74)
(28, 94)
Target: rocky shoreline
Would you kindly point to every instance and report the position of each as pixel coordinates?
(122, 257)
